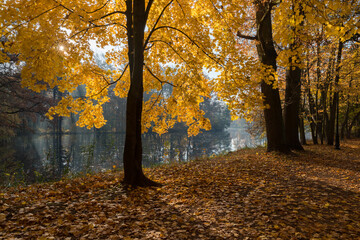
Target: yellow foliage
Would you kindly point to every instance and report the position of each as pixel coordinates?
(187, 41)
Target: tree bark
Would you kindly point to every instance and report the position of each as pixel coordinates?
(136, 19)
(293, 88)
(345, 122)
(331, 129)
(311, 107)
(267, 55)
(352, 124)
(346, 118)
(301, 122)
(291, 108)
(319, 117)
(324, 94)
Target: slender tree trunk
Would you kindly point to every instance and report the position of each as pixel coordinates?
(311, 107)
(311, 119)
(324, 93)
(301, 122)
(346, 118)
(345, 122)
(136, 19)
(352, 124)
(267, 55)
(319, 117)
(324, 115)
(331, 119)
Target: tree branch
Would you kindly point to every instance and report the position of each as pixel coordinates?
(31, 19)
(95, 26)
(176, 52)
(110, 83)
(161, 81)
(246, 36)
(99, 8)
(148, 7)
(192, 41)
(157, 21)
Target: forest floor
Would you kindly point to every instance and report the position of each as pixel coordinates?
(248, 194)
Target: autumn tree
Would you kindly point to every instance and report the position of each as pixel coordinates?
(267, 55)
(337, 21)
(290, 22)
(152, 44)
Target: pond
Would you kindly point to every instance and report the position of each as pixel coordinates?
(48, 157)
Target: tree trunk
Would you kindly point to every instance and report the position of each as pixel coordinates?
(333, 107)
(346, 118)
(291, 108)
(324, 93)
(311, 108)
(352, 124)
(302, 132)
(331, 122)
(293, 91)
(319, 117)
(136, 19)
(345, 122)
(301, 122)
(267, 55)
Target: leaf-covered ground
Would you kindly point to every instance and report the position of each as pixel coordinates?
(249, 194)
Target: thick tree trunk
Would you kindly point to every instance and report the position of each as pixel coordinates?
(133, 173)
(267, 55)
(293, 92)
(291, 108)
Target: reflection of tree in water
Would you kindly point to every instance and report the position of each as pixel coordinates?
(211, 143)
(178, 147)
(51, 156)
(19, 162)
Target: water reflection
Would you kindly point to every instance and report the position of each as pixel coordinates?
(51, 156)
